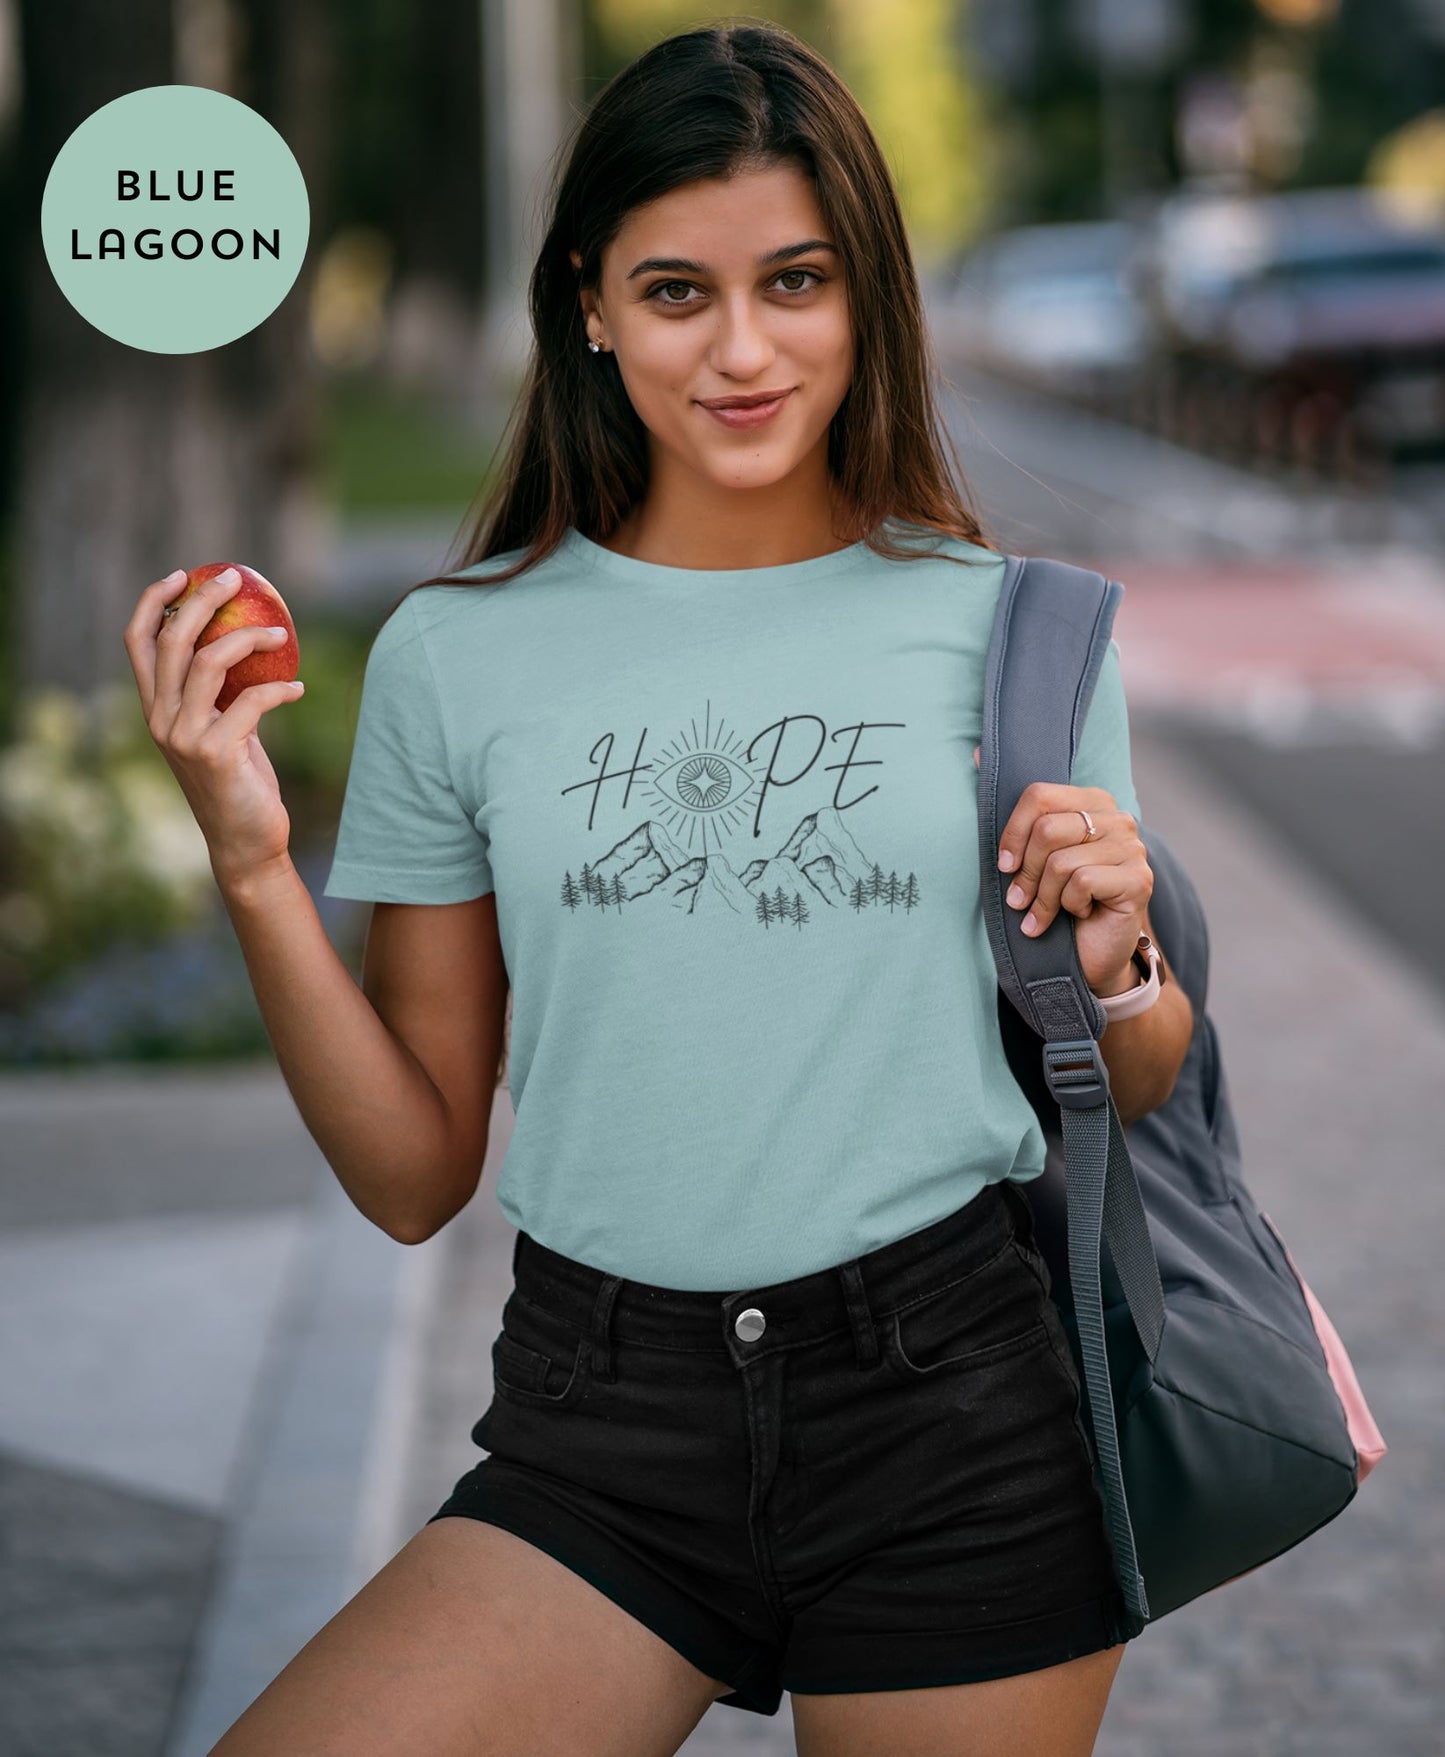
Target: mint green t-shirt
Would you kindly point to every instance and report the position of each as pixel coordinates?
(730, 818)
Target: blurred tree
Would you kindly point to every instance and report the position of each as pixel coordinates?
(531, 56)
(1380, 64)
(1369, 65)
(410, 164)
(1410, 163)
(617, 31)
(131, 463)
(11, 225)
(902, 62)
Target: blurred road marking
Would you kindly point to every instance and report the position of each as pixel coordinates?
(1294, 651)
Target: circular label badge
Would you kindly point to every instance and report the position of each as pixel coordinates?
(175, 219)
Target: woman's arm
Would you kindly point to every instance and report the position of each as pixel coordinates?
(1145, 1053)
(395, 1079)
(395, 1087)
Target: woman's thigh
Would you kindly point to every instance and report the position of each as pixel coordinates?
(470, 1642)
(1053, 1712)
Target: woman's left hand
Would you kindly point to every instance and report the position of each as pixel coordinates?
(1106, 883)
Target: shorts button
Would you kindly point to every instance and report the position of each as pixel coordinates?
(750, 1324)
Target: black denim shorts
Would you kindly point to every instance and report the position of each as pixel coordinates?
(874, 1477)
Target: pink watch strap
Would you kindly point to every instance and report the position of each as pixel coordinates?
(1137, 999)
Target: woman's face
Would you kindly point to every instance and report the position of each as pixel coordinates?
(725, 288)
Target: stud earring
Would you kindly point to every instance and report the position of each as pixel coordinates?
(595, 347)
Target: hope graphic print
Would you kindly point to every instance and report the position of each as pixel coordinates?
(704, 797)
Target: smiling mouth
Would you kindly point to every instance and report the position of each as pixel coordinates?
(770, 396)
(751, 416)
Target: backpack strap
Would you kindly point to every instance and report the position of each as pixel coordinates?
(1050, 634)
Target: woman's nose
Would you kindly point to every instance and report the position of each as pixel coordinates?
(742, 344)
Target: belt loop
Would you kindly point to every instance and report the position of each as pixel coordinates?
(1021, 1213)
(865, 1337)
(604, 1367)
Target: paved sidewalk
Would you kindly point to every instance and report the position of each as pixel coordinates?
(227, 1399)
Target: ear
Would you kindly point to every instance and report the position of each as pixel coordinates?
(585, 295)
(587, 299)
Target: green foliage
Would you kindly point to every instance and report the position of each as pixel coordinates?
(309, 742)
(99, 849)
(391, 450)
(97, 842)
(902, 66)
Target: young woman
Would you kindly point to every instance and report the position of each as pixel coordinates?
(684, 757)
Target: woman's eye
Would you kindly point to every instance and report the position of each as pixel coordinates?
(811, 278)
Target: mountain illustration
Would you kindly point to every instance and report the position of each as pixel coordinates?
(819, 862)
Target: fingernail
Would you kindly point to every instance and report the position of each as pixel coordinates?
(175, 577)
(1015, 896)
(1007, 860)
(228, 577)
(1029, 924)
(275, 631)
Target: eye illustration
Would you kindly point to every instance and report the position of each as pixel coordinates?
(705, 781)
(702, 789)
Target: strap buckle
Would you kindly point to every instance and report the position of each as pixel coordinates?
(1077, 1074)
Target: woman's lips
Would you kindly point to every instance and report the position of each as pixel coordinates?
(753, 416)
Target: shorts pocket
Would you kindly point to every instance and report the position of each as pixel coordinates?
(983, 1317)
(538, 1358)
(1064, 1361)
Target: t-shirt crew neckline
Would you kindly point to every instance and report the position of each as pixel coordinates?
(629, 567)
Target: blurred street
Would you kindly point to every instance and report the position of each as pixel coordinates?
(216, 1434)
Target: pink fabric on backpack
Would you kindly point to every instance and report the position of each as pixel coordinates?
(1365, 1436)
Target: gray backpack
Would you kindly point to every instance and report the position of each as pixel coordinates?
(1227, 1423)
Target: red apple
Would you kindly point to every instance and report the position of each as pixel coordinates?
(254, 601)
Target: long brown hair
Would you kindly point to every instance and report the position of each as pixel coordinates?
(709, 103)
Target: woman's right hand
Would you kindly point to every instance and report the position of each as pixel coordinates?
(217, 757)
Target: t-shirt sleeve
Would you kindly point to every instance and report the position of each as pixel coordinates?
(404, 835)
(1102, 758)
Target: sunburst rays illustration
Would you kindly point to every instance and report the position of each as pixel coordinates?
(700, 786)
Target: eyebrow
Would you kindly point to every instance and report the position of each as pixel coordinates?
(684, 265)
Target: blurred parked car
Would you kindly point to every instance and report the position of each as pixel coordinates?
(1332, 294)
(1052, 304)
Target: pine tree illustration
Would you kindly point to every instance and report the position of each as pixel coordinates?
(875, 883)
(587, 882)
(910, 891)
(893, 891)
(616, 894)
(800, 909)
(858, 897)
(780, 903)
(571, 896)
(597, 890)
(764, 912)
